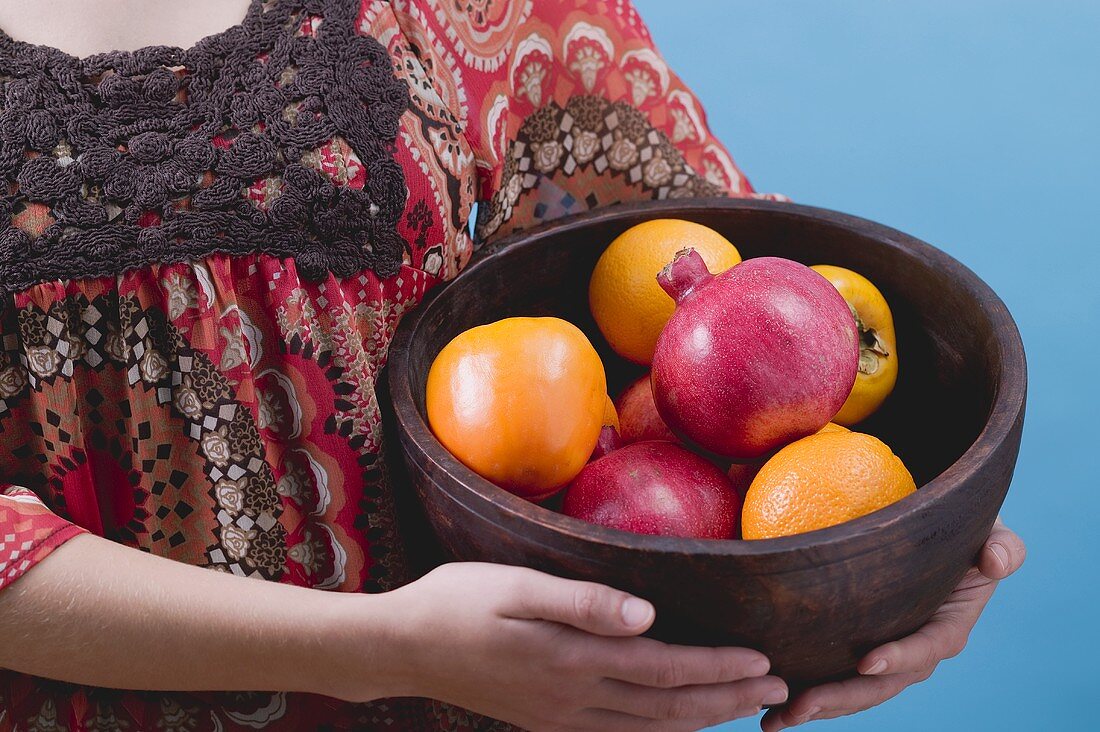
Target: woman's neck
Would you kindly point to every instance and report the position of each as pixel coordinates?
(87, 27)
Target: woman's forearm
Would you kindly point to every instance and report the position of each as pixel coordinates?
(512, 643)
(98, 613)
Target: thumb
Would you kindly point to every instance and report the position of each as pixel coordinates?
(587, 606)
(1003, 552)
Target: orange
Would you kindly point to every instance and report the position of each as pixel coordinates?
(823, 480)
(741, 474)
(629, 306)
(878, 348)
(520, 402)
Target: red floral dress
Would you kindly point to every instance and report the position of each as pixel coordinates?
(205, 253)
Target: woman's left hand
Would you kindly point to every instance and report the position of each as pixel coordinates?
(889, 669)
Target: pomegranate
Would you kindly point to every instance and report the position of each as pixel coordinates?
(741, 475)
(638, 417)
(753, 358)
(654, 487)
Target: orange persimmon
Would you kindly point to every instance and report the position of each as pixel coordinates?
(520, 402)
(878, 346)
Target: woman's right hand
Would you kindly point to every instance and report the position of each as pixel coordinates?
(547, 653)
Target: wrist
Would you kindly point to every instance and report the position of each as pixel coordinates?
(350, 652)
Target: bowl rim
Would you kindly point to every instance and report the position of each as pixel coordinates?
(1010, 391)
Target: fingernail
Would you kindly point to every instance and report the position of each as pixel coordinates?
(1002, 555)
(759, 667)
(876, 668)
(636, 612)
(775, 696)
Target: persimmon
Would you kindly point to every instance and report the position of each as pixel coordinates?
(520, 402)
(610, 414)
(878, 347)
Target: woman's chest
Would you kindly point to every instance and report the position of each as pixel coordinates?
(308, 131)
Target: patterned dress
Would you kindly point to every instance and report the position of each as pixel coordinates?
(203, 256)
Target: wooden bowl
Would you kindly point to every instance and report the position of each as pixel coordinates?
(814, 603)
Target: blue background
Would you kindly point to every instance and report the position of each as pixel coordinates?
(972, 124)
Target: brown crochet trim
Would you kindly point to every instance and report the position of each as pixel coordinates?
(106, 141)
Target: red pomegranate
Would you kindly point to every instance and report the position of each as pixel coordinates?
(753, 358)
(654, 487)
(741, 475)
(638, 417)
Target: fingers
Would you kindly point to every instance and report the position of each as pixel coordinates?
(894, 666)
(838, 699)
(921, 651)
(1004, 552)
(647, 662)
(721, 702)
(587, 606)
(942, 637)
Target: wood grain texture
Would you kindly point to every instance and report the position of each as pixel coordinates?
(814, 603)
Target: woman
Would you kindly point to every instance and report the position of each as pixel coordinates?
(206, 254)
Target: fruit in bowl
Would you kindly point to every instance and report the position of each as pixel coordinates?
(813, 602)
(823, 480)
(629, 307)
(654, 487)
(751, 359)
(638, 416)
(878, 349)
(520, 401)
(754, 357)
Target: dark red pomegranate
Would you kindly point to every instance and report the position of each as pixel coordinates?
(741, 475)
(654, 487)
(638, 417)
(753, 358)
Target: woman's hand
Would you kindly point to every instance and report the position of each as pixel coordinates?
(887, 670)
(552, 654)
(515, 644)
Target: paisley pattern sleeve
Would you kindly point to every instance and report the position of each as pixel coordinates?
(567, 106)
(28, 532)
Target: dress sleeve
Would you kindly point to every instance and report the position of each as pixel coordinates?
(567, 106)
(28, 532)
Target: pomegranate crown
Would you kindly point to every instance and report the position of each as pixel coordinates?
(683, 274)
